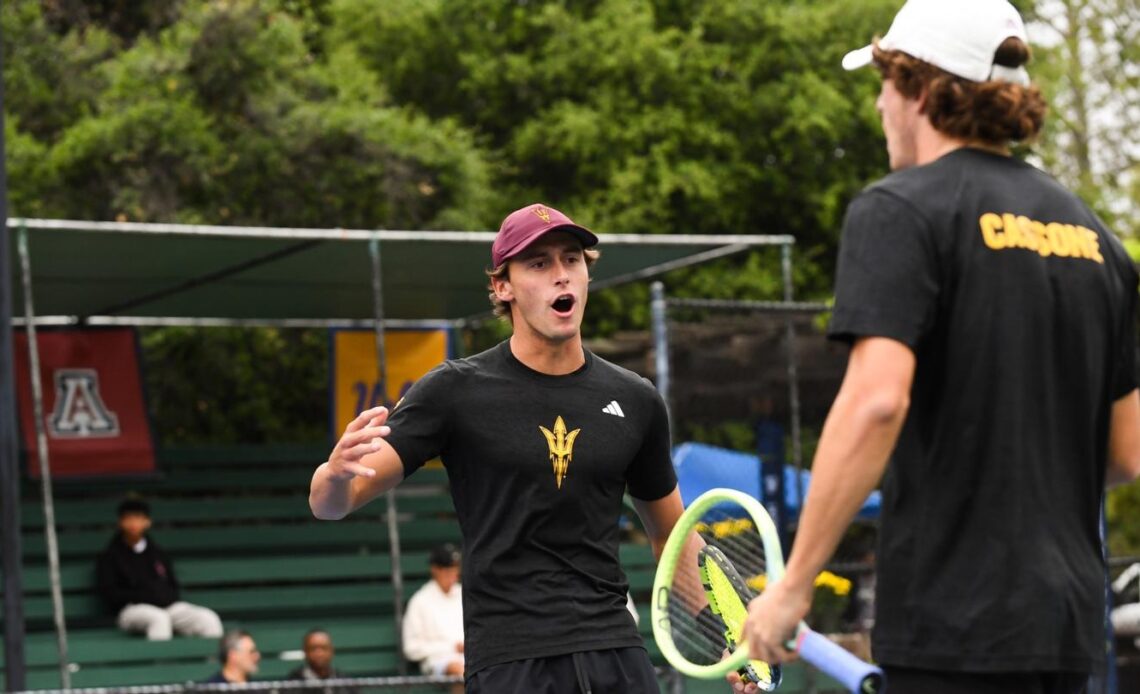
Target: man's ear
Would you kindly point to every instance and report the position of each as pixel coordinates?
(502, 289)
(922, 100)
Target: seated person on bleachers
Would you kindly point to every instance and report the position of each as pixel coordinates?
(318, 647)
(136, 579)
(239, 657)
(433, 624)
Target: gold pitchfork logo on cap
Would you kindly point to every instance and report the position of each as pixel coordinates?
(543, 213)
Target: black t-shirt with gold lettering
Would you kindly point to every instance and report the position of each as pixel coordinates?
(538, 466)
(1019, 306)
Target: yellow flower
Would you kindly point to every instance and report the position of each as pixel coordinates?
(725, 528)
(837, 584)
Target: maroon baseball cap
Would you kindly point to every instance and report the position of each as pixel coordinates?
(524, 226)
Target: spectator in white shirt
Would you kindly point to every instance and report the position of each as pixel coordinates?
(1126, 600)
(433, 624)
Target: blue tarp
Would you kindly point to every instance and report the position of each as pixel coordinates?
(701, 467)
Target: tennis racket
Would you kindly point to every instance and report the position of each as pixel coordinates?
(722, 551)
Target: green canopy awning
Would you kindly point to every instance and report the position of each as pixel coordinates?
(109, 272)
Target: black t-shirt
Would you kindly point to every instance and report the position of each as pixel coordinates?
(1018, 305)
(538, 465)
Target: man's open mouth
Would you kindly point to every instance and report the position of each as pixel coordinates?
(563, 304)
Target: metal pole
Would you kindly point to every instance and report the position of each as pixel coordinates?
(455, 331)
(390, 496)
(45, 468)
(793, 374)
(10, 544)
(659, 313)
(794, 400)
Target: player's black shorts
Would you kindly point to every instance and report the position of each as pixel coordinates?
(614, 671)
(911, 681)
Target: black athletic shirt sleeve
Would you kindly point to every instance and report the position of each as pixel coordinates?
(650, 475)
(887, 277)
(419, 421)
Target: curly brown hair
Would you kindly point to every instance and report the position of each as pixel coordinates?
(994, 112)
(502, 309)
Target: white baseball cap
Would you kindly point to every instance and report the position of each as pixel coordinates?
(960, 37)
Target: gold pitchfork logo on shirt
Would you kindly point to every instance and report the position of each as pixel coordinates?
(561, 447)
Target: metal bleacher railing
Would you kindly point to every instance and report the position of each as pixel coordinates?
(670, 679)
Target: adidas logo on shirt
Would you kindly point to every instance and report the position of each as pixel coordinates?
(613, 408)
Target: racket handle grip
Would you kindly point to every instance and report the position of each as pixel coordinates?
(829, 657)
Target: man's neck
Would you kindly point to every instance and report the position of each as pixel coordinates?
(551, 358)
(232, 674)
(323, 673)
(931, 145)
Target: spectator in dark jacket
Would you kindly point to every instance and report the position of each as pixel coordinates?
(137, 581)
(318, 647)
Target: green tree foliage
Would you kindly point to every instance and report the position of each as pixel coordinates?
(225, 116)
(725, 117)
(1088, 62)
(227, 384)
(123, 18)
(50, 81)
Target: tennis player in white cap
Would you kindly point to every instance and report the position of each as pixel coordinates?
(991, 379)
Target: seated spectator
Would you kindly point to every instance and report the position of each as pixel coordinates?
(239, 657)
(433, 624)
(136, 580)
(318, 647)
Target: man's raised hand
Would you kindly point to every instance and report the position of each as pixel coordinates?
(361, 437)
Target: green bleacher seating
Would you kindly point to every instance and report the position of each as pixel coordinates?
(350, 535)
(80, 513)
(237, 524)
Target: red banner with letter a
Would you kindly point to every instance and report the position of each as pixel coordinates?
(94, 410)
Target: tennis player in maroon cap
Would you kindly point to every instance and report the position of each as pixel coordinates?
(540, 439)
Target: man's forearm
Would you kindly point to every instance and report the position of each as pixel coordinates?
(329, 498)
(658, 518)
(1124, 441)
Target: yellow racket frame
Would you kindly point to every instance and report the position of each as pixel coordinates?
(667, 569)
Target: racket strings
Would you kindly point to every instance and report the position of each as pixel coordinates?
(702, 640)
